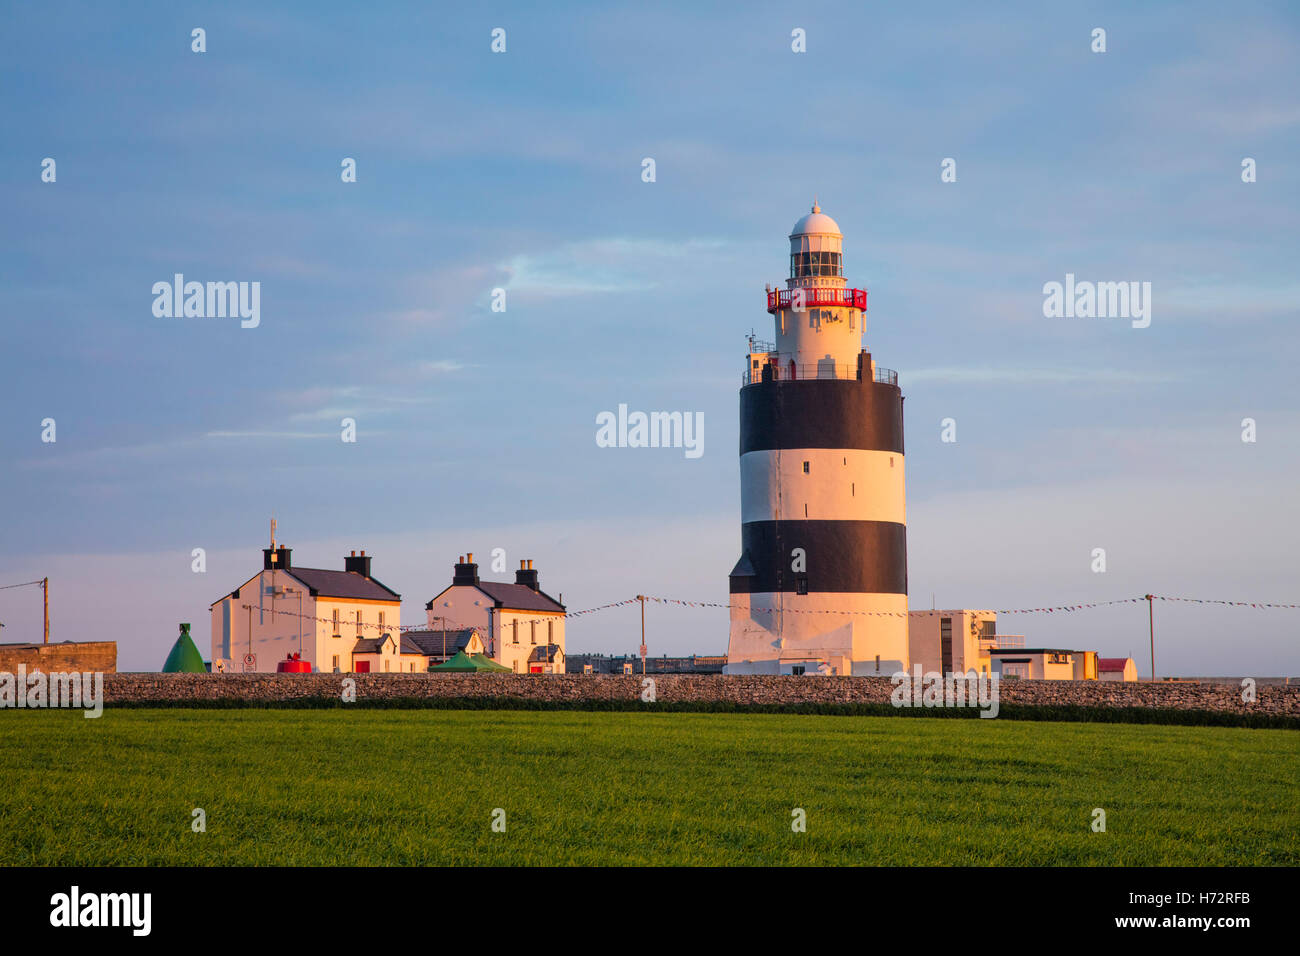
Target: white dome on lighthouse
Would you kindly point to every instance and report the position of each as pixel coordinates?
(816, 223)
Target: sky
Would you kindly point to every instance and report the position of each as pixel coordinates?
(522, 171)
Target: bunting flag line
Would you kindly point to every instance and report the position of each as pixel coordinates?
(1061, 608)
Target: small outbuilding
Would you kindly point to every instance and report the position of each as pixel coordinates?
(1117, 668)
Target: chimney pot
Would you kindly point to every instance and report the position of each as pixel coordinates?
(469, 557)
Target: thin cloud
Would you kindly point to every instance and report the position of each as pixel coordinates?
(1037, 376)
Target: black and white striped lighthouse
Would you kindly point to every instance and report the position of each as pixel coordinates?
(821, 584)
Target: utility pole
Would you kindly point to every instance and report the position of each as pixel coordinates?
(1151, 622)
(439, 617)
(45, 588)
(641, 598)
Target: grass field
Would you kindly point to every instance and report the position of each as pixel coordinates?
(419, 787)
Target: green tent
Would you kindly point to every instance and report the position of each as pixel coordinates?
(462, 663)
(185, 657)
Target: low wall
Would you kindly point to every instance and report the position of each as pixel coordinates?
(67, 656)
(1283, 701)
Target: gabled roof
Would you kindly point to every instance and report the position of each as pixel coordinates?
(545, 654)
(1112, 663)
(348, 585)
(371, 645)
(430, 643)
(509, 597)
(342, 584)
(519, 597)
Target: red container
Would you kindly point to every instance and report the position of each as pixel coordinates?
(293, 664)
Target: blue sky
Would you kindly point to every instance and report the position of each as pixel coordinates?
(522, 170)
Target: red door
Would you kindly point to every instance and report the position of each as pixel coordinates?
(363, 667)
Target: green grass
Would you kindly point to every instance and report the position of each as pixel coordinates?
(419, 786)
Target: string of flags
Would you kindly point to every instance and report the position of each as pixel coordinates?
(1064, 608)
(1061, 608)
(453, 625)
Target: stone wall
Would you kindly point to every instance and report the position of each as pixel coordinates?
(1279, 701)
(64, 656)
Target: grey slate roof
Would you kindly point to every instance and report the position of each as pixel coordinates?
(342, 584)
(429, 643)
(370, 645)
(544, 654)
(519, 597)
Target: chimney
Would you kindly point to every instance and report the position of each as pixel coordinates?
(277, 560)
(358, 563)
(526, 575)
(466, 571)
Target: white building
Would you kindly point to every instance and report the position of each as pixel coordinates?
(953, 641)
(338, 621)
(523, 625)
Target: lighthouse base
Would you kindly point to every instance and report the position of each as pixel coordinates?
(846, 634)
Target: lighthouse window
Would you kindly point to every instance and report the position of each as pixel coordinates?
(805, 467)
(804, 264)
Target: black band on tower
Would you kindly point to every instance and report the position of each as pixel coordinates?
(841, 556)
(821, 413)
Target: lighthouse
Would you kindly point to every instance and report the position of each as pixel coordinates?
(821, 583)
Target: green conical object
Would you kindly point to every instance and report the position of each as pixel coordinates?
(463, 663)
(185, 657)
